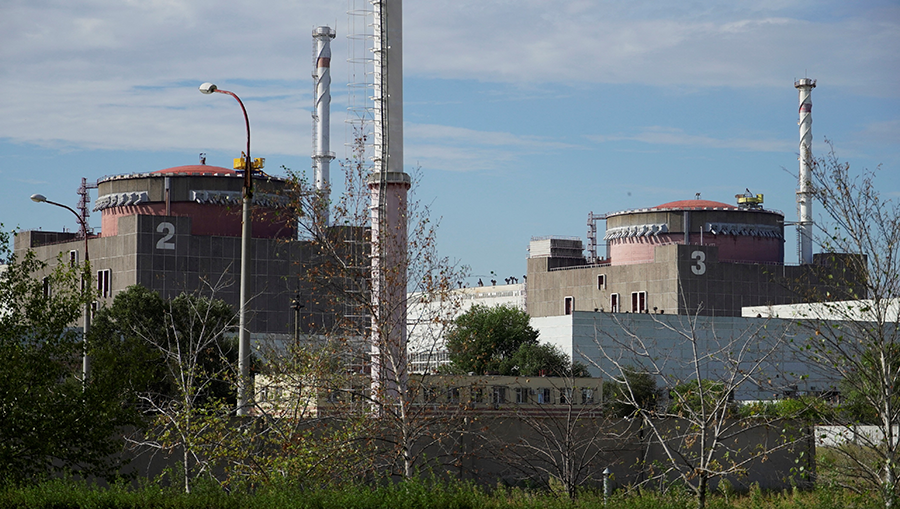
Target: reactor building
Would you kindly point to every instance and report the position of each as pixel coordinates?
(683, 257)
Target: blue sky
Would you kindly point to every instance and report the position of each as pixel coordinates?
(523, 116)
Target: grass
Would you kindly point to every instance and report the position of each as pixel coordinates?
(416, 494)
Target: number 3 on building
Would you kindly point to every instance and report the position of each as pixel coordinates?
(699, 267)
(165, 242)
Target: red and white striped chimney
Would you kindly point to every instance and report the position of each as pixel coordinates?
(322, 155)
(804, 194)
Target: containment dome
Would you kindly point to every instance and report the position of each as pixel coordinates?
(211, 195)
(752, 235)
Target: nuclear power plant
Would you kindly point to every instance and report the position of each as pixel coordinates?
(690, 256)
(179, 229)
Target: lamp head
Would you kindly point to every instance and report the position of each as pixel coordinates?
(39, 198)
(208, 88)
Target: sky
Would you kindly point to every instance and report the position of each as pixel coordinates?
(520, 117)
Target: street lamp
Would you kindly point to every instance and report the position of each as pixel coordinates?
(243, 338)
(296, 305)
(86, 359)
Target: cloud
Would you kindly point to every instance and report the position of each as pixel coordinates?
(672, 136)
(460, 149)
(122, 74)
(722, 45)
(882, 133)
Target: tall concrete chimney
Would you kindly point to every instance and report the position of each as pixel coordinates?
(388, 185)
(804, 194)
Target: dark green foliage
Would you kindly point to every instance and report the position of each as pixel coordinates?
(541, 359)
(693, 398)
(808, 409)
(635, 392)
(120, 353)
(412, 494)
(48, 425)
(862, 391)
(483, 337)
(500, 341)
(129, 336)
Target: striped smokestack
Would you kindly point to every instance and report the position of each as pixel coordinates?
(804, 194)
(322, 155)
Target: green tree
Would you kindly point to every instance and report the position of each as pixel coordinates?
(698, 432)
(637, 391)
(542, 359)
(130, 338)
(694, 394)
(858, 341)
(175, 362)
(49, 422)
(858, 386)
(360, 334)
(483, 338)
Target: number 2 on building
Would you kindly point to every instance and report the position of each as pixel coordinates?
(165, 242)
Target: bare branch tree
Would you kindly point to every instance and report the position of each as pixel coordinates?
(859, 340)
(698, 430)
(337, 272)
(567, 436)
(191, 418)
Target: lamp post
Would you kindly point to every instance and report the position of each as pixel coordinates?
(296, 305)
(244, 340)
(86, 359)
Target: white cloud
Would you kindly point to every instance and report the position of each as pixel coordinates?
(459, 149)
(120, 74)
(672, 136)
(538, 41)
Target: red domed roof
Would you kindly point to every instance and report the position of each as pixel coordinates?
(695, 204)
(196, 169)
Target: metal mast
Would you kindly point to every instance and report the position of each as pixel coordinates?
(804, 194)
(322, 155)
(388, 185)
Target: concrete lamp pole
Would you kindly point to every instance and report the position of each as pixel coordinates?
(86, 359)
(244, 339)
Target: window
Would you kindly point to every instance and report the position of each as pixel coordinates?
(614, 303)
(638, 302)
(103, 284)
(477, 395)
(48, 291)
(453, 395)
(601, 281)
(569, 305)
(498, 396)
(521, 395)
(587, 396)
(565, 396)
(545, 397)
(73, 258)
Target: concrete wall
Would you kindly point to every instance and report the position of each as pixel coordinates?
(162, 254)
(768, 348)
(679, 279)
(483, 449)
